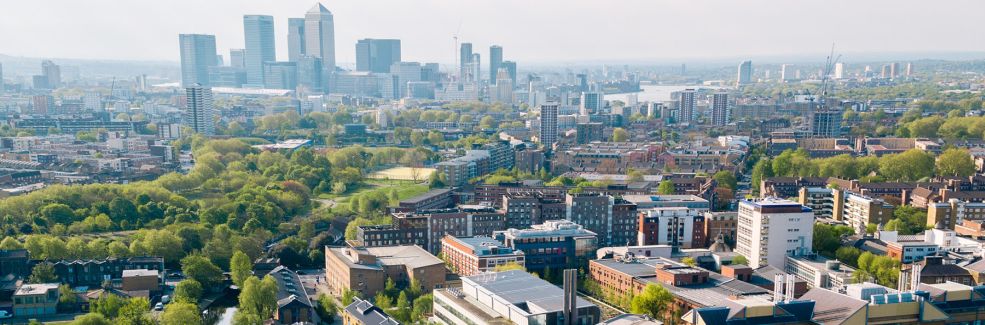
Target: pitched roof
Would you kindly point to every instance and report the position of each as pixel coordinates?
(831, 307)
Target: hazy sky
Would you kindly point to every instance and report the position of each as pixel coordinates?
(529, 30)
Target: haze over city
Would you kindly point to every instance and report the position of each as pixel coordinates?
(541, 32)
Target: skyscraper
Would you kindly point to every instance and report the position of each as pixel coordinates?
(319, 36)
(404, 72)
(510, 67)
(495, 62)
(745, 73)
(839, 70)
(197, 55)
(237, 58)
(591, 103)
(786, 72)
(310, 73)
(377, 55)
(825, 123)
(465, 61)
(720, 109)
(199, 112)
(295, 39)
(687, 103)
(476, 67)
(909, 69)
(259, 31)
(53, 72)
(280, 75)
(894, 70)
(548, 124)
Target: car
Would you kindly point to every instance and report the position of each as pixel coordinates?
(159, 306)
(166, 299)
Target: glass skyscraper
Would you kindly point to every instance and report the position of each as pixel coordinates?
(295, 39)
(495, 62)
(197, 56)
(259, 31)
(377, 55)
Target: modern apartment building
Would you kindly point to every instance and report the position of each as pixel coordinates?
(771, 229)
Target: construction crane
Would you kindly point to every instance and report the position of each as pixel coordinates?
(828, 67)
(455, 37)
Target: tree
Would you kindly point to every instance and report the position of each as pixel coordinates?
(666, 187)
(726, 179)
(381, 300)
(740, 260)
(109, 305)
(653, 301)
(619, 135)
(188, 290)
(402, 313)
(67, 299)
(57, 213)
(201, 269)
(180, 313)
(348, 296)
(955, 162)
(258, 297)
(848, 255)
(135, 312)
(827, 238)
(241, 268)
(689, 261)
(760, 171)
(910, 165)
(422, 307)
(487, 122)
(43, 273)
(91, 319)
(634, 175)
(326, 308)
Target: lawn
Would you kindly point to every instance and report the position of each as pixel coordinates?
(403, 173)
(405, 190)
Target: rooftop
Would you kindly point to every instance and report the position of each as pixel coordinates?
(523, 290)
(412, 256)
(36, 289)
(139, 272)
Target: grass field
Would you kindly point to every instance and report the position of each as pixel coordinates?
(403, 173)
(405, 190)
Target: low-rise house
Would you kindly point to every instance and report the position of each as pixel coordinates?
(31, 300)
(363, 312)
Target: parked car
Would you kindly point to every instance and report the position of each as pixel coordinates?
(159, 306)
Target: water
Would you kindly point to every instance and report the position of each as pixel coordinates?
(655, 93)
(227, 316)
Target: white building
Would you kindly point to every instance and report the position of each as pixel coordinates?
(548, 124)
(673, 226)
(771, 229)
(199, 113)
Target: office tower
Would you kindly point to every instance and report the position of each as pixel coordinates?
(591, 103)
(745, 73)
(884, 73)
(199, 114)
(405, 72)
(222, 76)
(430, 72)
(909, 69)
(237, 58)
(259, 31)
(280, 75)
(825, 123)
(582, 81)
(319, 34)
(52, 72)
(197, 55)
(465, 61)
(495, 62)
(295, 39)
(719, 109)
(771, 229)
(510, 67)
(377, 55)
(503, 87)
(839, 70)
(476, 67)
(548, 124)
(894, 70)
(786, 72)
(686, 109)
(310, 73)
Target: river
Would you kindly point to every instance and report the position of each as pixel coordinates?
(656, 93)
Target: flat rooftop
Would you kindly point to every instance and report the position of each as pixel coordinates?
(523, 289)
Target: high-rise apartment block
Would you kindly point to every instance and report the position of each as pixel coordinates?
(199, 112)
(720, 111)
(771, 229)
(745, 73)
(548, 124)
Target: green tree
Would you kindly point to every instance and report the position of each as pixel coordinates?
(760, 171)
(201, 269)
(43, 273)
(955, 162)
(509, 267)
(404, 308)
(188, 290)
(908, 166)
(91, 319)
(348, 296)
(653, 301)
(135, 312)
(739, 259)
(827, 238)
(180, 313)
(726, 179)
(326, 308)
(258, 297)
(382, 300)
(109, 305)
(422, 307)
(620, 135)
(240, 267)
(666, 187)
(689, 261)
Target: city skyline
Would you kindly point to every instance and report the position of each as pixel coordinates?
(553, 32)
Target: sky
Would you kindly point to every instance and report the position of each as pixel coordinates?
(540, 31)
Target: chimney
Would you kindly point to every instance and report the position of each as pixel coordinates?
(570, 308)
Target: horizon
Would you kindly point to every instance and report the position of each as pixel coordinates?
(556, 32)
